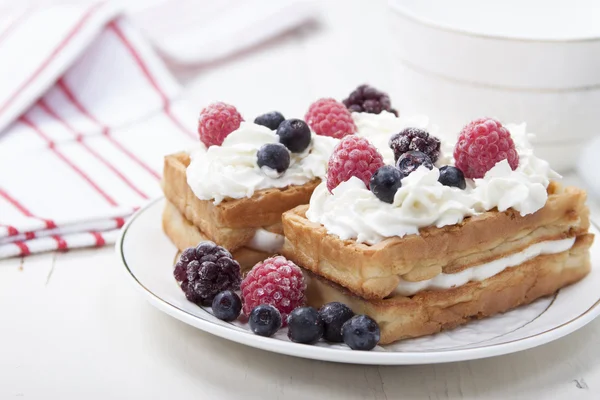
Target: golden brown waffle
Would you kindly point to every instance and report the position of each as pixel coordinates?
(233, 222)
(430, 312)
(184, 234)
(373, 272)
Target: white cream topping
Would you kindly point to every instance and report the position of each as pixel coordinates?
(266, 241)
(484, 271)
(353, 212)
(231, 171)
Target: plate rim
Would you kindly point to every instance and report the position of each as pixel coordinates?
(338, 355)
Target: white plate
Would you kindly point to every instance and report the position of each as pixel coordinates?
(148, 256)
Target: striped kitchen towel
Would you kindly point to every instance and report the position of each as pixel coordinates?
(87, 111)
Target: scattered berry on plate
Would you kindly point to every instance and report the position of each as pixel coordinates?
(361, 332)
(452, 176)
(264, 320)
(275, 157)
(218, 120)
(227, 305)
(415, 139)
(305, 325)
(329, 117)
(353, 156)
(275, 281)
(411, 160)
(367, 99)
(483, 143)
(385, 182)
(294, 134)
(209, 269)
(271, 120)
(334, 315)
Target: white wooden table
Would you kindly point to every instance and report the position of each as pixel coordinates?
(72, 327)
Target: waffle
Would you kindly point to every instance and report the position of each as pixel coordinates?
(429, 312)
(233, 222)
(374, 271)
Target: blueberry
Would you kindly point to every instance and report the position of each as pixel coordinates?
(305, 325)
(227, 305)
(294, 134)
(385, 182)
(452, 176)
(271, 120)
(334, 315)
(411, 160)
(274, 156)
(361, 332)
(265, 320)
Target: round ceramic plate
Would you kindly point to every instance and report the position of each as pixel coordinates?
(148, 256)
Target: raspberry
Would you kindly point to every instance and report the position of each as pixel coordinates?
(366, 98)
(205, 271)
(218, 120)
(328, 117)
(415, 139)
(482, 144)
(275, 281)
(353, 156)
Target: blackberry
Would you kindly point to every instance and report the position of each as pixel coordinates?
(415, 139)
(305, 325)
(271, 120)
(367, 99)
(385, 182)
(410, 161)
(334, 315)
(452, 176)
(275, 157)
(209, 269)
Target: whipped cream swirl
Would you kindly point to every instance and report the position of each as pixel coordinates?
(231, 171)
(353, 212)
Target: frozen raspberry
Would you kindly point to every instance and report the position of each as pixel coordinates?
(415, 139)
(218, 120)
(353, 156)
(482, 144)
(206, 270)
(367, 99)
(275, 281)
(328, 117)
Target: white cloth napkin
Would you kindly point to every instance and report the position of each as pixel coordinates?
(87, 112)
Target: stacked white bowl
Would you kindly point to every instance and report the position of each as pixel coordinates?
(534, 61)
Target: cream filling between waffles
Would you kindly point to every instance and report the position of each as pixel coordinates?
(484, 271)
(266, 241)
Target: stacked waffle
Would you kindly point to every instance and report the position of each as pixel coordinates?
(441, 251)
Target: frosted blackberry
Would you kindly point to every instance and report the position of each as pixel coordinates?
(294, 134)
(271, 120)
(415, 139)
(410, 161)
(209, 269)
(367, 99)
(275, 157)
(334, 315)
